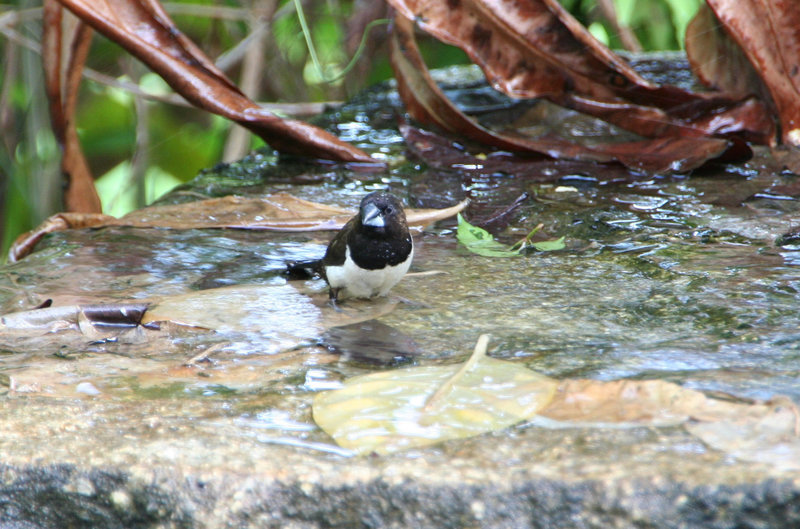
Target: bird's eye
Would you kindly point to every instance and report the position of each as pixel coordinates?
(389, 210)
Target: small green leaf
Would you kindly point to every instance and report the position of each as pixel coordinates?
(479, 241)
(549, 246)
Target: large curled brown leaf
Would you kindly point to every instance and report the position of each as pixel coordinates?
(65, 45)
(448, 154)
(144, 29)
(768, 34)
(25, 242)
(535, 48)
(497, 37)
(426, 103)
(523, 47)
(716, 59)
(278, 212)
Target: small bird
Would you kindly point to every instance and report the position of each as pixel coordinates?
(370, 254)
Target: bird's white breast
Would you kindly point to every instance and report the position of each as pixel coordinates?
(357, 282)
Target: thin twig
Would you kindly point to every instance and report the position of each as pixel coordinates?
(203, 356)
(287, 109)
(626, 35)
(238, 141)
(15, 16)
(210, 11)
(9, 79)
(230, 58)
(140, 159)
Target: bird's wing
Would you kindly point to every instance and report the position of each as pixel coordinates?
(337, 249)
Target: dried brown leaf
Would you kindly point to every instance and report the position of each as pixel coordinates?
(426, 102)
(652, 402)
(767, 33)
(525, 48)
(716, 59)
(767, 434)
(535, 48)
(65, 46)
(278, 212)
(52, 319)
(144, 29)
(444, 153)
(787, 157)
(25, 243)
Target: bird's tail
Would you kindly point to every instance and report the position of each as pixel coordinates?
(304, 269)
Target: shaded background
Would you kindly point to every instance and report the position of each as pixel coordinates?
(140, 141)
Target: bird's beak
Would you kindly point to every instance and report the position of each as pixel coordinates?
(372, 216)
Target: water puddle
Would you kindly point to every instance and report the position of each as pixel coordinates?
(671, 278)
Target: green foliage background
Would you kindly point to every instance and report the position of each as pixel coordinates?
(138, 147)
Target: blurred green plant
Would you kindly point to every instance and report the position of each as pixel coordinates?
(140, 140)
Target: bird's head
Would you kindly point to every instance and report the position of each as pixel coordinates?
(383, 212)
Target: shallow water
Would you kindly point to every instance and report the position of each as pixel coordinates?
(675, 277)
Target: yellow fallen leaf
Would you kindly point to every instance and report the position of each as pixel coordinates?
(406, 408)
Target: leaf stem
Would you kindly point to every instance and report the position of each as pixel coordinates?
(523, 243)
(301, 17)
(479, 353)
(361, 45)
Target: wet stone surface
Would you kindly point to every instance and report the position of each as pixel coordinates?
(693, 279)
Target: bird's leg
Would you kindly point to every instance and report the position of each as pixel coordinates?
(333, 298)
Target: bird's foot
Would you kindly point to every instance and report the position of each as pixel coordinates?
(333, 299)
